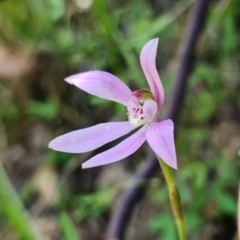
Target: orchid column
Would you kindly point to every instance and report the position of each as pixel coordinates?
(143, 108)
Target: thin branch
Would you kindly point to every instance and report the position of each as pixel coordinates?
(125, 205)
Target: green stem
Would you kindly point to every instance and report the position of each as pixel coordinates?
(14, 210)
(174, 199)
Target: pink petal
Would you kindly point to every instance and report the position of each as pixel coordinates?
(88, 139)
(120, 151)
(132, 103)
(147, 59)
(161, 140)
(102, 84)
(150, 110)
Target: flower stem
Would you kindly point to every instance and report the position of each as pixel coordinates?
(174, 199)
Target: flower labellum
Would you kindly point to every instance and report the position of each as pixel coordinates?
(143, 107)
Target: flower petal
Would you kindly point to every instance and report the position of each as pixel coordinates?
(148, 62)
(102, 84)
(132, 103)
(149, 110)
(120, 151)
(161, 140)
(88, 139)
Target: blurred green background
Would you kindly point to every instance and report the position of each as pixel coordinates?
(45, 194)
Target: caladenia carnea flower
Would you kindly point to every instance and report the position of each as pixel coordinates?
(143, 107)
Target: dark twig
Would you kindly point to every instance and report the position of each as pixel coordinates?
(124, 208)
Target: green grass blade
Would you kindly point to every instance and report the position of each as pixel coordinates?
(67, 227)
(14, 210)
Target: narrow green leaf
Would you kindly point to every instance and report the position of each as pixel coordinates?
(14, 210)
(67, 227)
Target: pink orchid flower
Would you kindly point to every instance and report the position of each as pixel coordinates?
(143, 107)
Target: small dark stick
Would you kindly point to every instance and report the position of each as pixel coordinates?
(125, 204)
